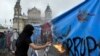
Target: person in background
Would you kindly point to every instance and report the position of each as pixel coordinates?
(13, 40)
(8, 42)
(24, 42)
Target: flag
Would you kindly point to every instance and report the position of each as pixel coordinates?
(84, 36)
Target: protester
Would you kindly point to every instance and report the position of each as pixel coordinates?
(24, 42)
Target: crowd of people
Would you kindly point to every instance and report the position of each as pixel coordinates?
(7, 42)
(19, 44)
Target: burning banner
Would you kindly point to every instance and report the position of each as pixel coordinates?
(83, 37)
(76, 32)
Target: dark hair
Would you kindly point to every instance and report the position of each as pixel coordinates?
(28, 28)
(27, 31)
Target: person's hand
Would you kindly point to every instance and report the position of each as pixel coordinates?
(48, 44)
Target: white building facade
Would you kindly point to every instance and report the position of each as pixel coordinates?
(33, 17)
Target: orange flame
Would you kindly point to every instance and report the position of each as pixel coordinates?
(59, 48)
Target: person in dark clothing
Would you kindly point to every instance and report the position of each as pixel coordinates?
(24, 42)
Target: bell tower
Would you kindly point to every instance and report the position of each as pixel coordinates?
(48, 13)
(17, 9)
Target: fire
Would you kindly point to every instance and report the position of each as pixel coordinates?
(59, 47)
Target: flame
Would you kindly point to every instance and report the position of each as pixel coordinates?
(59, 48)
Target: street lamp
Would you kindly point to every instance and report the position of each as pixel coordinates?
(18, 20)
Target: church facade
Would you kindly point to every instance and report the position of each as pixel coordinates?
(33, 16)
